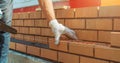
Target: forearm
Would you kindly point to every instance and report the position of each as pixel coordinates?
(47, 8)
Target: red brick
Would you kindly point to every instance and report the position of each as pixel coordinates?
(12, 45)
(40, 39)
(19, 36)
(107, 53)
(24, 30)
(28, 22)
(99, 24)
(87, 35)
(35, 31)
(36, 15)
(104, 36)
(80, 48)
(29, 38)
(41, 23)
(15, 15)
(50, 54)
(66, 13)
(116, 24)
(63, 46)
(115, 39)
(86, 12)
(33, 50)
(24, 15)
(68, 58)
(46, 32)
(91, 60)
(109, 11)
(21, 47)
(18, 22)
(75, 23)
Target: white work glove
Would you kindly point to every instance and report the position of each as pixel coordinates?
(1, 14)
(58, 29)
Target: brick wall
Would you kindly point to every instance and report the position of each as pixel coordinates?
(98, 30)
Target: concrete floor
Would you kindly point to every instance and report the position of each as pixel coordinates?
(16, 57)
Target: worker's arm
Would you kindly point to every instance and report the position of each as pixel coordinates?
(47, 8)
(57, 28)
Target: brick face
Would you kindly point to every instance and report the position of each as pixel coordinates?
(19, 36)
(91, 60)
(109, 11)
(115, 39)
(41, 23)
(75, 23)
(50, 54)
(116, 24)
(104, 36)
(46, 32)
(66, 13)
(99, 24)
(12, 45)
(35, 31)
(21, 47)
(15, 15)
(18, 22)
(80, 48)
(68, 58)
(35, 15)
(29, 38)
(40, 39)
(107, 53)
(87, 35)
(24, 30)
(24, 15)
(86, 12)
(28, 22)
(33, 50)
(63, 46)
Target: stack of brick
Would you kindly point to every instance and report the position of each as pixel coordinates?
(98, 30)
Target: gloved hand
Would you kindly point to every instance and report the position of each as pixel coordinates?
(1, 13)
(58, 29)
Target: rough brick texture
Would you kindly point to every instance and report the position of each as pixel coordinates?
(63, 46)
(107, 53)
(99, 24)
(68, 58)
(109, 11)
(33, 50)
(49, 54)
(78, 23)
(79, 48)
(115, 39)
(21, 47)
(91, 60)
(12, 45)
(86, 12)
(116, 24)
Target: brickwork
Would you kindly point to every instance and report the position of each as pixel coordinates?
(98, 30)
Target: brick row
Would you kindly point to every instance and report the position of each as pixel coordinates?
(12, 45)
(107, 53)
(109, 11)
(115, 39)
